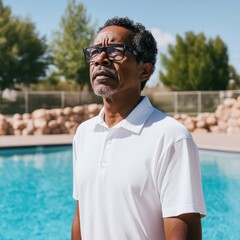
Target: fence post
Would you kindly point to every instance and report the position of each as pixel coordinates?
(26, 101)
(175, 102)
(199, 102)
(62, 99)
(221, 96)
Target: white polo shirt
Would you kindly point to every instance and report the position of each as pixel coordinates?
(129, 177)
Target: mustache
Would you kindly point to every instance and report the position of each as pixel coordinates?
(102, 70)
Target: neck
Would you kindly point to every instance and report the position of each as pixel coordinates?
(117, 109)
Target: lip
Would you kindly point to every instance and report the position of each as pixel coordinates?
(102, 74)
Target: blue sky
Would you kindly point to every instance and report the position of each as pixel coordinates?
(165, 18)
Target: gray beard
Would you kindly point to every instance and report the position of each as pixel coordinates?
(104, 91)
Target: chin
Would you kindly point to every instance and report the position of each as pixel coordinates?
(104, 91)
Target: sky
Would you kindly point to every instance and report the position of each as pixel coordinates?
(165, 18)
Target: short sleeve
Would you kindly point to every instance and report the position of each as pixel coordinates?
(180, 185)
(74, 157)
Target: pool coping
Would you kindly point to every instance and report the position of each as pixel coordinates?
(35, 140)
(207, 141)
(217, 141)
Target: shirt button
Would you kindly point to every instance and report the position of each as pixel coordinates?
(103, 163)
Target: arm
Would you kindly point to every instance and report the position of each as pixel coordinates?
(76, 233)
(183, 227)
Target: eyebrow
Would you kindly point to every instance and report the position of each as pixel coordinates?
(111, 44)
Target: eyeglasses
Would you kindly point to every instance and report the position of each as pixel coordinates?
(113, 52)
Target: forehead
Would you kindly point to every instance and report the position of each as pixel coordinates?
(113, 35)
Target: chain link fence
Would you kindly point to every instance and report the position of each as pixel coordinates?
(191, 103)
(28, 101)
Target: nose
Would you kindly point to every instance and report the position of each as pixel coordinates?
(102, 59)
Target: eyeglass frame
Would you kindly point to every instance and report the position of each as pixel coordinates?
(104, 48)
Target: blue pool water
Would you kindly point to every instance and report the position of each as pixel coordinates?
(36, 194)
(221, 185)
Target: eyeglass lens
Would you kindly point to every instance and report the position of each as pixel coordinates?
(114, 53)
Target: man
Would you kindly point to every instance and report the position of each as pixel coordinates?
(136, 173)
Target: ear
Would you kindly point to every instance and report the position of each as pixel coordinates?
(146, 71)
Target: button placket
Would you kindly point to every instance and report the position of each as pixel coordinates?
(106, 151)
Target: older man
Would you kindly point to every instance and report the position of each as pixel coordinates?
(136, 173)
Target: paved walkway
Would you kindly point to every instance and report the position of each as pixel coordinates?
(210, 141)
(35, 140)
(218, 141)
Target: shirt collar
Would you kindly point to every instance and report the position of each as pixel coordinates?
(134, 121)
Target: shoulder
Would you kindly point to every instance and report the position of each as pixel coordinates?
(167, 127)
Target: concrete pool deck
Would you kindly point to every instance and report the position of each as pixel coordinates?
(208, 141)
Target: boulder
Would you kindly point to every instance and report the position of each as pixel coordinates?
(67, 111)
(16, 116)
(18, 124)
(3, 127)
(211, 120)
(93, 109)
(215, 129)
(200, 130)
(39, 113)
(27, 131)
(26, 116)
(41, 131)
(201, 124)
(229, 102)
(78, 110)
(233, 130)
(222, 126)
(53, 124)
(40, 122)
(222, 113)
(235, 112)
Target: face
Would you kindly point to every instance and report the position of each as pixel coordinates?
(109, 78)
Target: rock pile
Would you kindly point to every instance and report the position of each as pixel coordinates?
(48, 121)
(226, 119)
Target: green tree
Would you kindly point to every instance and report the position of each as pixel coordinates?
(234, 78)
(195, 63)
(23, 55)
(74, 35)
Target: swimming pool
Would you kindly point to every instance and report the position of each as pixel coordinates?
(36, 194)
(221, 186)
